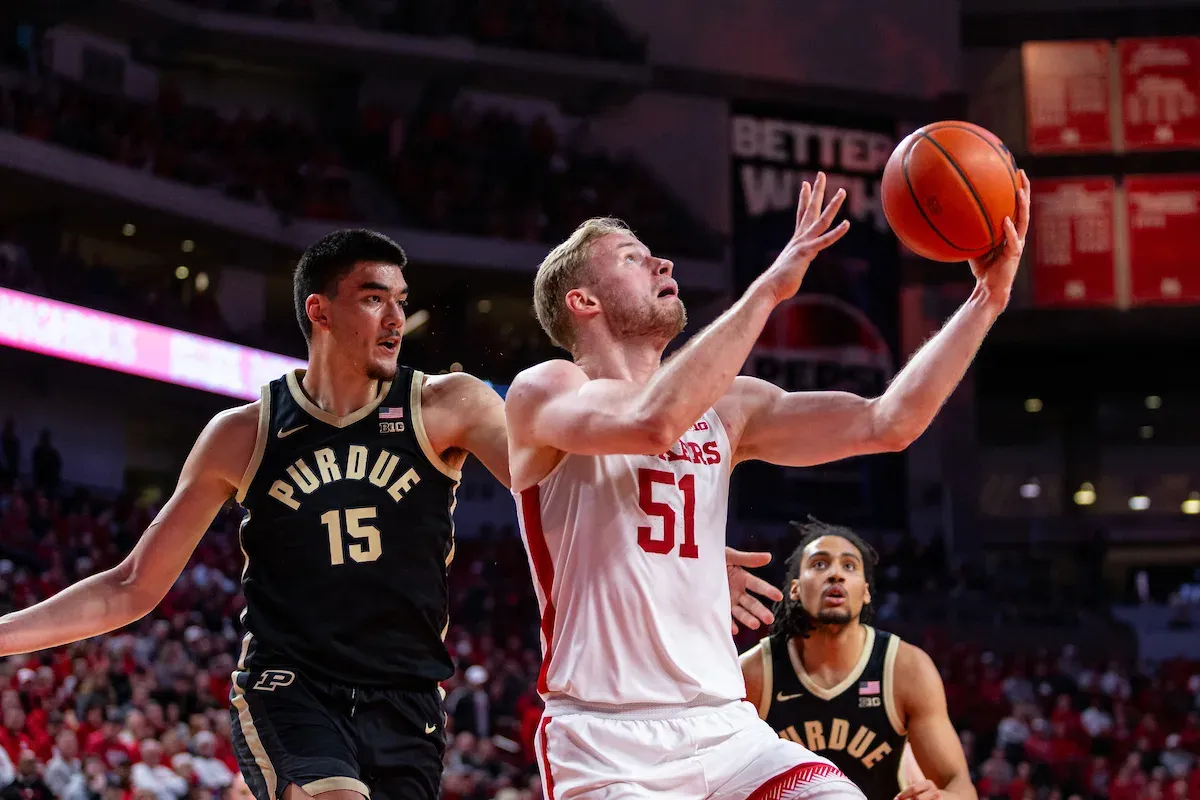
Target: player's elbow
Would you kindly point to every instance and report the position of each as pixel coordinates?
(655, 430)
(139, 590)
(889, 433)
(893, 439)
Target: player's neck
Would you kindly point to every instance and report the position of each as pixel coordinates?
(833, 648)
(633, 360)
(337, 386)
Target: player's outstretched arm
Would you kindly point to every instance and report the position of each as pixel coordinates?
(116, 597)
(921, 700)
(555, 405)
(807, 428)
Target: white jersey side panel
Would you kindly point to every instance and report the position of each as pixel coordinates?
(628, 558)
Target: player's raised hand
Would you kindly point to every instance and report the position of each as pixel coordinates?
(745, 607)
(921, 790)
(996, 271)
(812, 235)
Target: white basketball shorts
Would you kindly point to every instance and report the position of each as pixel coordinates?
(720, 752)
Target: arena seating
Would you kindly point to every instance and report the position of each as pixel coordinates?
(563, 27)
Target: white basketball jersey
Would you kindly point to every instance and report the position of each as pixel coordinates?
(628, 559)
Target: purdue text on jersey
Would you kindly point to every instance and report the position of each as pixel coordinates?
(347, 539)
(854, 724)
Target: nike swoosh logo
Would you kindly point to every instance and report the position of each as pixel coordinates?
(430, 728)
(287, 433)
(783, 698)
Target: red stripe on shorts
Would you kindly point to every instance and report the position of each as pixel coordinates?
(543, 569)
(547, 776)
(778, 787)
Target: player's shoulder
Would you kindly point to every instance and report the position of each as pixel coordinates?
(237, 422)
(914, 667)
(545, 379)
(230, 439)
(458, 389)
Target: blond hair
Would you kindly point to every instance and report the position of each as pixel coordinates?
(563, 269)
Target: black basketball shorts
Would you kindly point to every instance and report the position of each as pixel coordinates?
(291, 728)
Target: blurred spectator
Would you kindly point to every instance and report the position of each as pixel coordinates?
(470, 704)
(152, 775)
(10, 448)
(28, 784)
(64, 772)
(47, 464)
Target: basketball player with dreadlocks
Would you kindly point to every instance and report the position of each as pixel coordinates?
(847, 691)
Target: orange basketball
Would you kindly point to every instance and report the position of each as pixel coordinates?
(947, 189)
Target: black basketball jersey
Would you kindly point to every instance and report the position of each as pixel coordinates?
(347, 537)
(855, 724)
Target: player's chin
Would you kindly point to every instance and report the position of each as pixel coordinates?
(382, 369)
(835, 616)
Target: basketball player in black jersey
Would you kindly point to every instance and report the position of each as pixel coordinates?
(859, 696)
(348, 471)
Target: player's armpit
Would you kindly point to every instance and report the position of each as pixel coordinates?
(116, 597)
(921, 701)
(800, 429)
(468, 415)
(555, 405)
(754, 673)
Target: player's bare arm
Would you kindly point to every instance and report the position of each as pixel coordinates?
(754, 673)
(806, 428)
(462, 415)
(921, 702)
(116, 597)
(555, 408)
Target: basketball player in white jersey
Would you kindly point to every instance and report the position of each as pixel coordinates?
(620, 465)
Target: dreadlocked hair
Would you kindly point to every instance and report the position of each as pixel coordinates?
(791, 620)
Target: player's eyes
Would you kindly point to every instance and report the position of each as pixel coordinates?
(404, 304)
(850, 565)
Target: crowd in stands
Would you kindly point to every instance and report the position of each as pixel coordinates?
(142, 714)
(260, 158)
(449, 167)
(458, 169)
(579, 28)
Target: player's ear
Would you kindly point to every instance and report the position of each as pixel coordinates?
(318, 311)
(582, 302)
(866, 595)
(794, 589)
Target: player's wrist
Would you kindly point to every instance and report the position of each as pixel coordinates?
(991, 299)
(765, 293)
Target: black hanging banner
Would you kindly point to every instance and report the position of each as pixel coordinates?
(841, 331)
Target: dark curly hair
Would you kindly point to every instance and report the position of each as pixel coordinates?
(791, 620)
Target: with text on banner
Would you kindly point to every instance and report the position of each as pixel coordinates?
(87, 336)
(840, 331)
(1073, 243)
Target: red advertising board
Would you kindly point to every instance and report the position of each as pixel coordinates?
(1073, 257)
(1067, 106)
(1160, 85)
(1164, 238)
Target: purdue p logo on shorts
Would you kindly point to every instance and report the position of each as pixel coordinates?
(272, 679)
